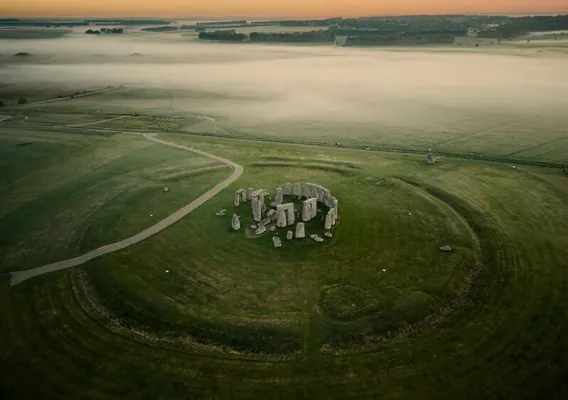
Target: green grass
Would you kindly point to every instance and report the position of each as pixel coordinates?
(235, 318)
(90, 190)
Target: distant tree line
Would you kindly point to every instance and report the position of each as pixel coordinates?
(224, 35)
(105, 31)
(523, 25)
(166, 28)
(317, 36)
(128, 21)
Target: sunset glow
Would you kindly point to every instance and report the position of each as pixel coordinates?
(270, 8)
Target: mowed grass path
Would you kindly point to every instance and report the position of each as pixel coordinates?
(508, 341)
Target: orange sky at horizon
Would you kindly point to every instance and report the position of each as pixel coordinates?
(269, 8)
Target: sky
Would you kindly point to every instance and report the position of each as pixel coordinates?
(269, 8)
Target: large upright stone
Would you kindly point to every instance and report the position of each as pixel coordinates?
(289, 235)
(336, 206)
(300, 230)
(288, 208)
(307, 191)
(333, 216)
(243, 195)
(235, 222)
(314, 207)
(287, 189)
(307, 209)
(328, 220)
(256, 209)
(249, 193)
(238, 197)
(278, 195)
(280, 218)
(322, 195)
(297, 190)
(315, 192)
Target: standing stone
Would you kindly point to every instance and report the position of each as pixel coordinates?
(336, 206)
(236, 223)
(256, 209)
(315, 192)
(278, 196)
(249, 193)
(290, 235)
(322, 195)
(243, 195)
(314, 207)
(237, 201)
(306, 192)
(287, 189)
(306, 212)
(430, 159)
(280, 218)
(276, 241)
(288, 208)
(328, 220)
(333, 216)
(297, 190)
(300, 230)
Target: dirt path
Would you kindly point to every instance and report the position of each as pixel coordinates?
(21, 276)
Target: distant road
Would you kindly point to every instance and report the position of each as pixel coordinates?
(21, 276)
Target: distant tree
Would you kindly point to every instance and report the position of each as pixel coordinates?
(22, 101)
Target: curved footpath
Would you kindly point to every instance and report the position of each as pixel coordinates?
(21, 276)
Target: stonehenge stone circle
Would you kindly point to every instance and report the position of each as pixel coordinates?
(278, 214)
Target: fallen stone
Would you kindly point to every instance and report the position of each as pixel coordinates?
(272, 228)
(328, 234)
(289, 235)
(260, 230)
(253, 226)
(446, 249)
(318, 239)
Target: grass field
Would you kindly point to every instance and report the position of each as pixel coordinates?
(376, 312)
(200, 311)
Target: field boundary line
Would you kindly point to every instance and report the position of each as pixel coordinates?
(21, 276)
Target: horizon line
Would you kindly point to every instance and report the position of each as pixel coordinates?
(304, 18)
